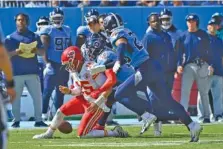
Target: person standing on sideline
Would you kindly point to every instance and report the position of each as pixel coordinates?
(56, 38)
(25, 67)
(195, 63)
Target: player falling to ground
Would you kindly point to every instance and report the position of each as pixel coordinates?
(148, 73)
(83, 103)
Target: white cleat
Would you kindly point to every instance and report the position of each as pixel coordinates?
(157, 129)
(195, 132)
(147, 122)
(43, 136)
(120, 132)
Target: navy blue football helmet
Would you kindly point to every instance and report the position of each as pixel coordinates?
(219, 17)
(57, 17)
(42, 21)
(95, 45)
(194, 17)
(166, 18)
(112, 21)
(91, 16)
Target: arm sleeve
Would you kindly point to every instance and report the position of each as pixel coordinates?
(120, 52)
(110, 81)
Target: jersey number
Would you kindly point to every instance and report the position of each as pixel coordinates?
(61, 43)
(87, 88)
(137, 43)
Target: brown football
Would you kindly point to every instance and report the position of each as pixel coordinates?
(65, 127)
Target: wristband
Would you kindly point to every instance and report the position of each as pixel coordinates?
(10, 84)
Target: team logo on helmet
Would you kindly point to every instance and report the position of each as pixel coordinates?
(97, 44)
(105, 22)
(71, 55)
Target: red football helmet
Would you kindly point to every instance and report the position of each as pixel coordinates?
(72, 58)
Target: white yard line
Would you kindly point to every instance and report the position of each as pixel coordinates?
(135, 144)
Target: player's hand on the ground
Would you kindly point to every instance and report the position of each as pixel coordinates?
(64, 89)
(97, 69)
(11, 92)
(95, 94)
(92, 108)
(180, 69)
(19, 51)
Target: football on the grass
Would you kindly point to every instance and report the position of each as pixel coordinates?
(65, 127)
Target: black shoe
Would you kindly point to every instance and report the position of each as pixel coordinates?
(16, 124)
(109, 123)
(166, 122)
(206, 120)
(40, 124)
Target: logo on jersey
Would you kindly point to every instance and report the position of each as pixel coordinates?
(71, 55)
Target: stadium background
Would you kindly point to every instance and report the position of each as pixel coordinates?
(134, 18)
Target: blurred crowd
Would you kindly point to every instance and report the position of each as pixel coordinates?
(104, 3)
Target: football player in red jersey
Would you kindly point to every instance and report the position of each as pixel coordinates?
(90, 95)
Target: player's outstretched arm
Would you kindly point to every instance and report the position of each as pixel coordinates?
(121, 47)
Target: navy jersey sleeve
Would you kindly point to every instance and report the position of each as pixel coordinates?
(180, 48)
(83, 30)
(106, 57)
(117, 35)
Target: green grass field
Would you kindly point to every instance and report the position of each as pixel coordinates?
(174, 137)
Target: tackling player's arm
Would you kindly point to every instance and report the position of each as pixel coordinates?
(109, 83)
(121, 44)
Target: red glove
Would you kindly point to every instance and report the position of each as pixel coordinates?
(95, 94)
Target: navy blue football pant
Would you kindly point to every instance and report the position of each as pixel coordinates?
(149, 74)
(51, 82)
(169, 79)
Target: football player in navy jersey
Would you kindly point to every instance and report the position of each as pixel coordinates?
(55, 37)
(148, 73)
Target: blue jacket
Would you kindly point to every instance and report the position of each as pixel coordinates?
(194, 45)
(160, 48)
(217, 54)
